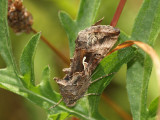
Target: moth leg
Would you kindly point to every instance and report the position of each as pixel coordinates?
(92, 94)
(100, 78)
(56, 104)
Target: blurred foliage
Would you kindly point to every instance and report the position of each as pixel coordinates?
(45, 13)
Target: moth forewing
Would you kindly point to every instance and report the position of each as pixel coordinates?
(92, 45)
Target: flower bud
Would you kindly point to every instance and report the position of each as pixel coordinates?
(19, 19)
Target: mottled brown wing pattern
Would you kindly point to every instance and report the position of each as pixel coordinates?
(92, 45)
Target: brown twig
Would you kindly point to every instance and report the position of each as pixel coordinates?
(116, 108)
(66, 60)
(118, 13)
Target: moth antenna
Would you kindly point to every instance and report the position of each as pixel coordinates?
(56, 104)
(98, 22)
(89, 79)
(100, 78)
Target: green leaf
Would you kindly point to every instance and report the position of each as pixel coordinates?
(70, 28)
(153, 108)
(8, 76)
(58, 116)
(146, 29)
(146, 26)
(27, 61)
(85, 18)
(87, 12)
(5, 45)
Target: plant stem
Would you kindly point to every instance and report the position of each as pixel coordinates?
(75, 118)
(66, 60)
(116, 108)
(118, 13)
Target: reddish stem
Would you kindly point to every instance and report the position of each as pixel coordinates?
(118, 13)
(75, 118)
(66, 60)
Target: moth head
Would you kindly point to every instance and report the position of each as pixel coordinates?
(96, 36)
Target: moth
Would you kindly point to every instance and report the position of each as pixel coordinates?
(91, 46)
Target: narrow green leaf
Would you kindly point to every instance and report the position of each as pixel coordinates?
(87, 13)
(146, 26)
(27, 61)
(10, 81)
(8, 76)
(5, 45)
(70, 28)
(59, 116)
(146, 29)
(153, 108)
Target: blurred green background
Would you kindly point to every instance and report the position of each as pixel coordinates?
(45, 14)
